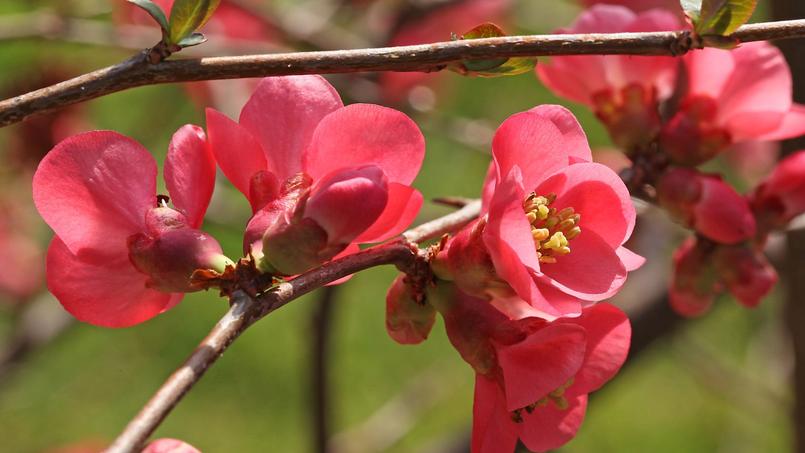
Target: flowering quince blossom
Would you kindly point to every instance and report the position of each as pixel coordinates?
(320, 177)
(121, 255)
(732, 97)
(706, 204)
(170, 446)
(704, 269)
(553, 223)
(532, 376)
(624, 91)
(781, 197)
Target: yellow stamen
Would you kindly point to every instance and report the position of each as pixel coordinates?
(551, 229)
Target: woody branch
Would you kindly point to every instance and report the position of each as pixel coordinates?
(138, 71)
(245, 311)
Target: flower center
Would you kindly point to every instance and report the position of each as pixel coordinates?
(552, 230)
(557, 397)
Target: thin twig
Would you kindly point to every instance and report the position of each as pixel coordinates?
(137, 71)
(246, 310)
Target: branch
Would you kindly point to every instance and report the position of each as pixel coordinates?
(137, 71)
(246, 310)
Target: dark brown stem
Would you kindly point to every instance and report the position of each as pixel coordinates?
(322, 322)
(425, 57)
(245, 311)
(794, 268)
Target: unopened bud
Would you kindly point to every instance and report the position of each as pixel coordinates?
(409, 318)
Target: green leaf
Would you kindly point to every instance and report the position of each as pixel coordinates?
(494, 67)
(193, 40)
(188, 16)
(154, 11)
(718, 17)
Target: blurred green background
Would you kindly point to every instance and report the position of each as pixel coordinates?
(718, 385)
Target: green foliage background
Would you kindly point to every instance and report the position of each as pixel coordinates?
(89, 383)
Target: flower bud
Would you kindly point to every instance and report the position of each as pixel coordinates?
(630, 114)
(694, 282)
(308, 226)
(781, 197)
(706, 204)
(468, 264)
(408, 320)
(746, 273)
(170, 258)
(690, 138)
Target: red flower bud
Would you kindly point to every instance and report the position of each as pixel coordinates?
(408, 320)
(694, 283)
(781, 197)
(706, 204)
(746, 273)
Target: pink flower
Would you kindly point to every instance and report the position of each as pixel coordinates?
(437, 25)
(623, 90)
(120, 255)
(170, 446)
(732, 97)
(320, 177)
(555, 222)
(781, 197)
(694, 283)
(533, 377)
(706, 204)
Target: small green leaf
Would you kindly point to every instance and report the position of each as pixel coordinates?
(718, 17)
(154, 11)
(494, 67)
(193, 40)
(188, 16)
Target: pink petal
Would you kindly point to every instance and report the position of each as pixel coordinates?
(602, 19)
(283, 113)
(722, 214)
(401, 210)
(490, 181)
(190, 173)
(493, 430)
(366, 134)
(93, 189)
(541, 363)
(577, 146)
(237, 152)
(549, 427)
(102, 290)
(347, 202)
(708, 71)
(760, 82)
(791, 126)
(631, 260)
(507, 236)
(532, 142)
(608, 336)
(598, 194)
(591, 271)
(170, 446)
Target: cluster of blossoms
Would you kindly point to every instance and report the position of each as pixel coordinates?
(670, 118)
(520, 288)
(322, 178)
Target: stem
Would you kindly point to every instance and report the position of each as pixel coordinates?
(322, 322)
(137, 71)
(246, 310)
